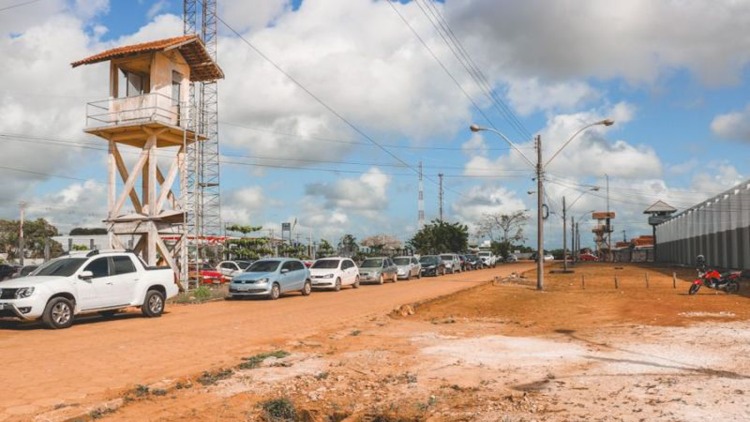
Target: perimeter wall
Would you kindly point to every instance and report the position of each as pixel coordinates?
(718, 229)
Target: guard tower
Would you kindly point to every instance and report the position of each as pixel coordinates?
(658, 213)
(603, 231)
(147, 116)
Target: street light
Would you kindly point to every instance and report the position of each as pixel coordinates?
(539, 168)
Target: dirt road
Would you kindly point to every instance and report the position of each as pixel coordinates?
(45, 369)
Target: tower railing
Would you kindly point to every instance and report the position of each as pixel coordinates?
(146, 108)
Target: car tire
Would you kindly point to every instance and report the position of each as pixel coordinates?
(337, 284)
(395, 278)
(153, 304)
(381, 280)
(58, 313)
(275, 292)
(307, 288)
(356, 283)
(419, 275)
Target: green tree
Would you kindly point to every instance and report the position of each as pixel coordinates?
(83, 231)
(36, 233)
(246, 247)
(348, 245)
(440, 236)
(325, 249)
(503, 230)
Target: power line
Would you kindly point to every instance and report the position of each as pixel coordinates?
(438, 21)
(3, 9)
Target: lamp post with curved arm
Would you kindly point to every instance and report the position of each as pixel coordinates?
(539, 169)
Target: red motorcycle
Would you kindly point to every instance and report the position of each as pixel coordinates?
(727, 282)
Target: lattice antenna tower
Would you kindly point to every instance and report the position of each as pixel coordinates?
(203, 189)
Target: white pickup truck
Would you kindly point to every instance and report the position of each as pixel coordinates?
(87, 282)
(488, 258)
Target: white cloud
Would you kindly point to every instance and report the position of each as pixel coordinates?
(638, 40)
(243, 206)
(734, 126)
(480, 200)
(242, 15)
(530, 95)
(367, 194)
(77, 205)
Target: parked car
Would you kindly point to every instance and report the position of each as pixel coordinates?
(87, 282)
(332, 273)
(587, 257)
(378, 270)
(229, 269)
(549, 257)
(25, 270)
(7, 271)
(474, 261)
(204, 273)
(432, 265)
(270, 278)
(488, 258)
(408, 267)
(452, 262)
(511, 258)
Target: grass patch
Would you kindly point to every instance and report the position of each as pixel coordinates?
(100, 413)
(279, 410)
(253, 362)
(211, 378)
(200, 294)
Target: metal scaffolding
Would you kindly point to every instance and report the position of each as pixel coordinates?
(202, 195)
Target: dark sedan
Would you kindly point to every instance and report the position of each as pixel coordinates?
(432, 265)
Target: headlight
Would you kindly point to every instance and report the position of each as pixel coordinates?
(24, 292)
(262, 280)
(429, 267)
(328, 276)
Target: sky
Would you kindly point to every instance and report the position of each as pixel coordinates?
(329, 106)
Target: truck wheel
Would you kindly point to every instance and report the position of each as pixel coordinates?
(275, 292)
(381, 280)
(307, 288)
(153, 304)
(58, 313)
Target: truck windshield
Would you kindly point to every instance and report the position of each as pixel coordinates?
(61, 267)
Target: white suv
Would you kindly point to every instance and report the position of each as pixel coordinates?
(87, 282)
(452, 262)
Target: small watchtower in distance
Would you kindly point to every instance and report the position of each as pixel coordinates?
(658, 213)
(150, 118)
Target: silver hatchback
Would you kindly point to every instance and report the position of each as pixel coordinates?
(378, 270)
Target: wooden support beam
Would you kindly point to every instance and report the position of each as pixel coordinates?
(130, 182)
(124, 175)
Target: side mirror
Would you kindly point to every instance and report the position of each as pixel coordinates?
(86, 275)
(284, 270)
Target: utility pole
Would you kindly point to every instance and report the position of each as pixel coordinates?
(420, 200)
(539, 219)
(565, 240)
(573, 247)
(21, 245)
(440, 196)
(609, 230)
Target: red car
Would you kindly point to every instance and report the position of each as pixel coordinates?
(204, 273)
(587, 257)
